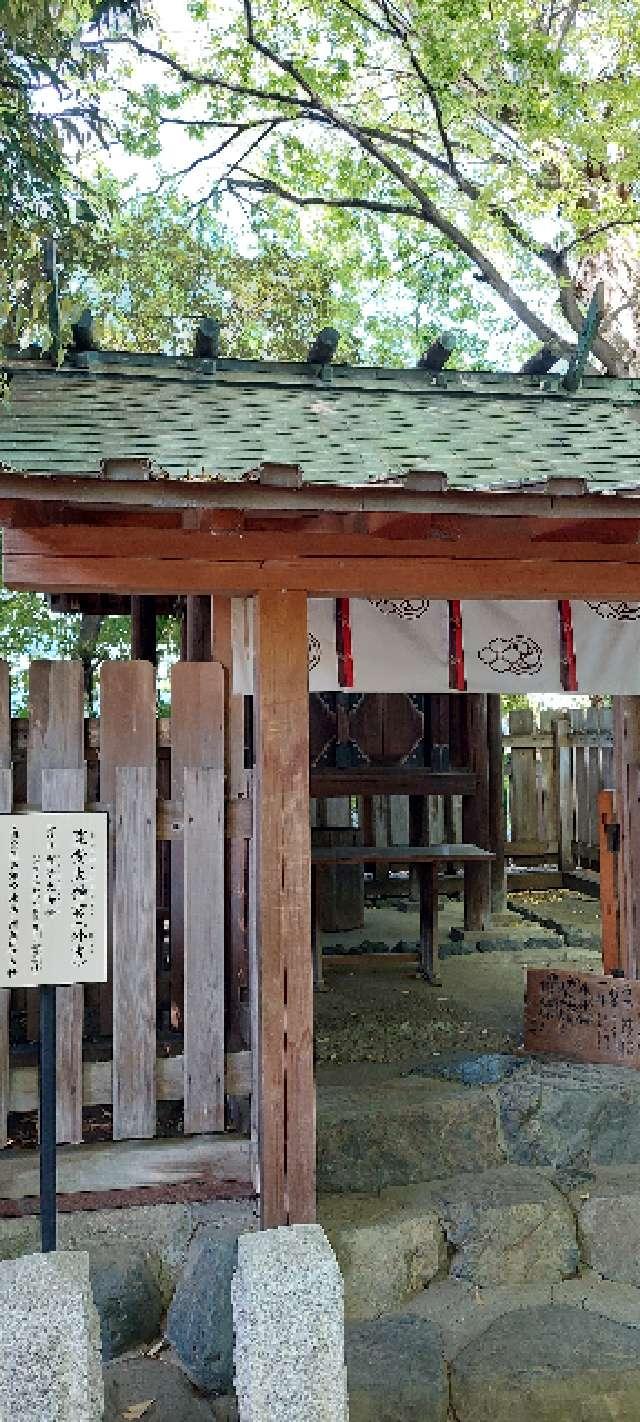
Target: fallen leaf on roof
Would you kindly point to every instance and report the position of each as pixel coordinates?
(137, 1409)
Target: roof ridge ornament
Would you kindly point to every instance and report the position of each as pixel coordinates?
(592, 323)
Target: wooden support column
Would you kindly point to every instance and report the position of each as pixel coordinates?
(496, 802)
(609, 834)
(198, 629)
(144, 640)
(283, 907)
(238, 781)
(475, 814)
(626, 731)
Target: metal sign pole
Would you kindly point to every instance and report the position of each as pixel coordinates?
(48, 1117)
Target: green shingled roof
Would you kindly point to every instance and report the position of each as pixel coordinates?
(480, 430)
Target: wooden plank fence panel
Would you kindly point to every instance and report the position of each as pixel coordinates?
(197, 739)
(204, 949)
(127, 737)
(134, 954)
(65, 790)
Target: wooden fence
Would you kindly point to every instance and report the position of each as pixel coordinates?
(554, 774)
(156, 1032)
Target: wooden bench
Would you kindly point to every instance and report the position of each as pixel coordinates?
(427, 860)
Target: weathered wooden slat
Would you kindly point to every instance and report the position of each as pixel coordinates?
(134, 954)
(287, 1095)
(581, 783)
(204, 949)
(127, 737)
(197, 739)
(56, 724)
(524, 789)
(55, 741)
(132, 1169)
(65, 790)
(97, 1081)
(564, 785)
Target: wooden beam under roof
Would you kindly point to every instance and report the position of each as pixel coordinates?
(471, 538)
(86, 491)
(444, 577)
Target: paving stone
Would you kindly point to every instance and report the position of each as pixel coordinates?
(552, 1364)
(200, 1321)
(386, 1250)
(505, 1226)
(462, 1312)
(49, 1341)
(609, 1223)
(571, 1115)
(406, 1131)
(619, 1302)
(288, 1313)
(132, 1381)
(127, 1298)
(396, 1370)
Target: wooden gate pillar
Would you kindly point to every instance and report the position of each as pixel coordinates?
(475, 814)
(496, 802)
(626, 756)
(283, 911)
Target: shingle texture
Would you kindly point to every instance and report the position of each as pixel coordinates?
(478, 430)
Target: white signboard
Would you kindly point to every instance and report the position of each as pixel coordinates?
(53, 899)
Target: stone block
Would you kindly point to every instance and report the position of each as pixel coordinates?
(609, 1224)
(618, 1302)
(548, 1365)
(396, 1370)
(408, 1130)
(571, 1115)
(127, 1298)
(462, 1312)
(288, 1312)
(163, 1232)
(505, 1226)
(50, 1367)
(386, 1251)
(200, 1322)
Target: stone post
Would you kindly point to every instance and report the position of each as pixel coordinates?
(288, 1312)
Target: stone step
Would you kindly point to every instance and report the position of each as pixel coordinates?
(553, 1364)
(503, 1226)
(401, 1130)
(532, 1362)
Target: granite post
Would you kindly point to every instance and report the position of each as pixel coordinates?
(50, 1364)
(288, 1310)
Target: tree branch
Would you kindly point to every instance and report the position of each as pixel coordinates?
(268, 187)
(596, 231)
